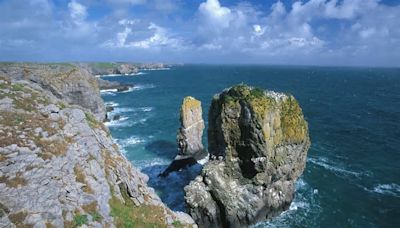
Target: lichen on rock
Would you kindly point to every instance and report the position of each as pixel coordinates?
(59, 167)
(189, 136)
(258, 142)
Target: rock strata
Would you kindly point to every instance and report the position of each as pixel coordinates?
(59, 167)
(189, 136)
(113, 85)
(258, 142)
(72, 84)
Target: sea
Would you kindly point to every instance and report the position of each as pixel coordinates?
(352, 176)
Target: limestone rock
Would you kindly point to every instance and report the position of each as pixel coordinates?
(189, 137)
(258, 142)
(67, 171)
(120, 87)
(72, 84)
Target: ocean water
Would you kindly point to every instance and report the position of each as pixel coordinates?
(352, 177)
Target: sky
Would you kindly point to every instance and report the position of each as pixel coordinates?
(289, 32)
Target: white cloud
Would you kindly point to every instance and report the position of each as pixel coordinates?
(215, 14)
(127, 22)
(258, 30)
(158, 39)
(317, 31)
(77, 11)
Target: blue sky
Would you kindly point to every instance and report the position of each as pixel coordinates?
(308, 32)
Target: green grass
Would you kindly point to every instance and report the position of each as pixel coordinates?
(80, 220)
(105, 65)
(92, 121)
(96, 216)
(128, 215)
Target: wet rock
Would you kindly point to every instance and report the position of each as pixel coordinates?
(116, 117)
(109, 108)
(258, 143)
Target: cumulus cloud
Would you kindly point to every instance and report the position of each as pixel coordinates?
(309, 31)
(215, 14)
(77, 11)
(159, 38)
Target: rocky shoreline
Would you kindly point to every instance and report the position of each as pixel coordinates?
(59, 166)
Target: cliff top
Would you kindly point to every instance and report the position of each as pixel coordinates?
(261, 102)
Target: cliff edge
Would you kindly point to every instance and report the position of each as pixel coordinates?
(258, 142)
(59, 166)
(73, 84)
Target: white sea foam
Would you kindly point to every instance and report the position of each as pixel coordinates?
(111, 103)
(126, 122)
(133, 140)
(110, 92)
(122, 110)
(155, 69)
(386, 189)
(120, 75)
(303, 210)
(146, 109)
(143, 86)
(333, 167)
(153, 162)
(203, 161)
(120, 122)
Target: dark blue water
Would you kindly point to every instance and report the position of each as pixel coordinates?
(352, 178)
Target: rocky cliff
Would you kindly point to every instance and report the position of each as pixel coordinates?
(59, 166)
(106, 68)
(258, 143)
(189, 136)
(73, 84)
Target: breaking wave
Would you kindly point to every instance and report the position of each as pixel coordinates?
(333, 167)
(386, 189)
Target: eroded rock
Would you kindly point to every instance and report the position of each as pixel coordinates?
(67, 171)
(189, 136)
(258, 142)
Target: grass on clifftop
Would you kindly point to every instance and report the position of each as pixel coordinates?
(259, 102)
(294, 127)
(128, 215)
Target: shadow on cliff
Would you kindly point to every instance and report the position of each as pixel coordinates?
(169, 188)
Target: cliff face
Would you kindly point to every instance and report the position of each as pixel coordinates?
(119, 68)
(59, 167)
(68, 82)
(258, 143)
(189, 137)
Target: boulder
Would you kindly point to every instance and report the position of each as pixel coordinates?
(116, 117)
(258, 142)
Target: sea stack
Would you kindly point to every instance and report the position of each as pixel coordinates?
(189, 136)
(258, 142)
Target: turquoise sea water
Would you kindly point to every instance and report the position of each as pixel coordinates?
(352, 178)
